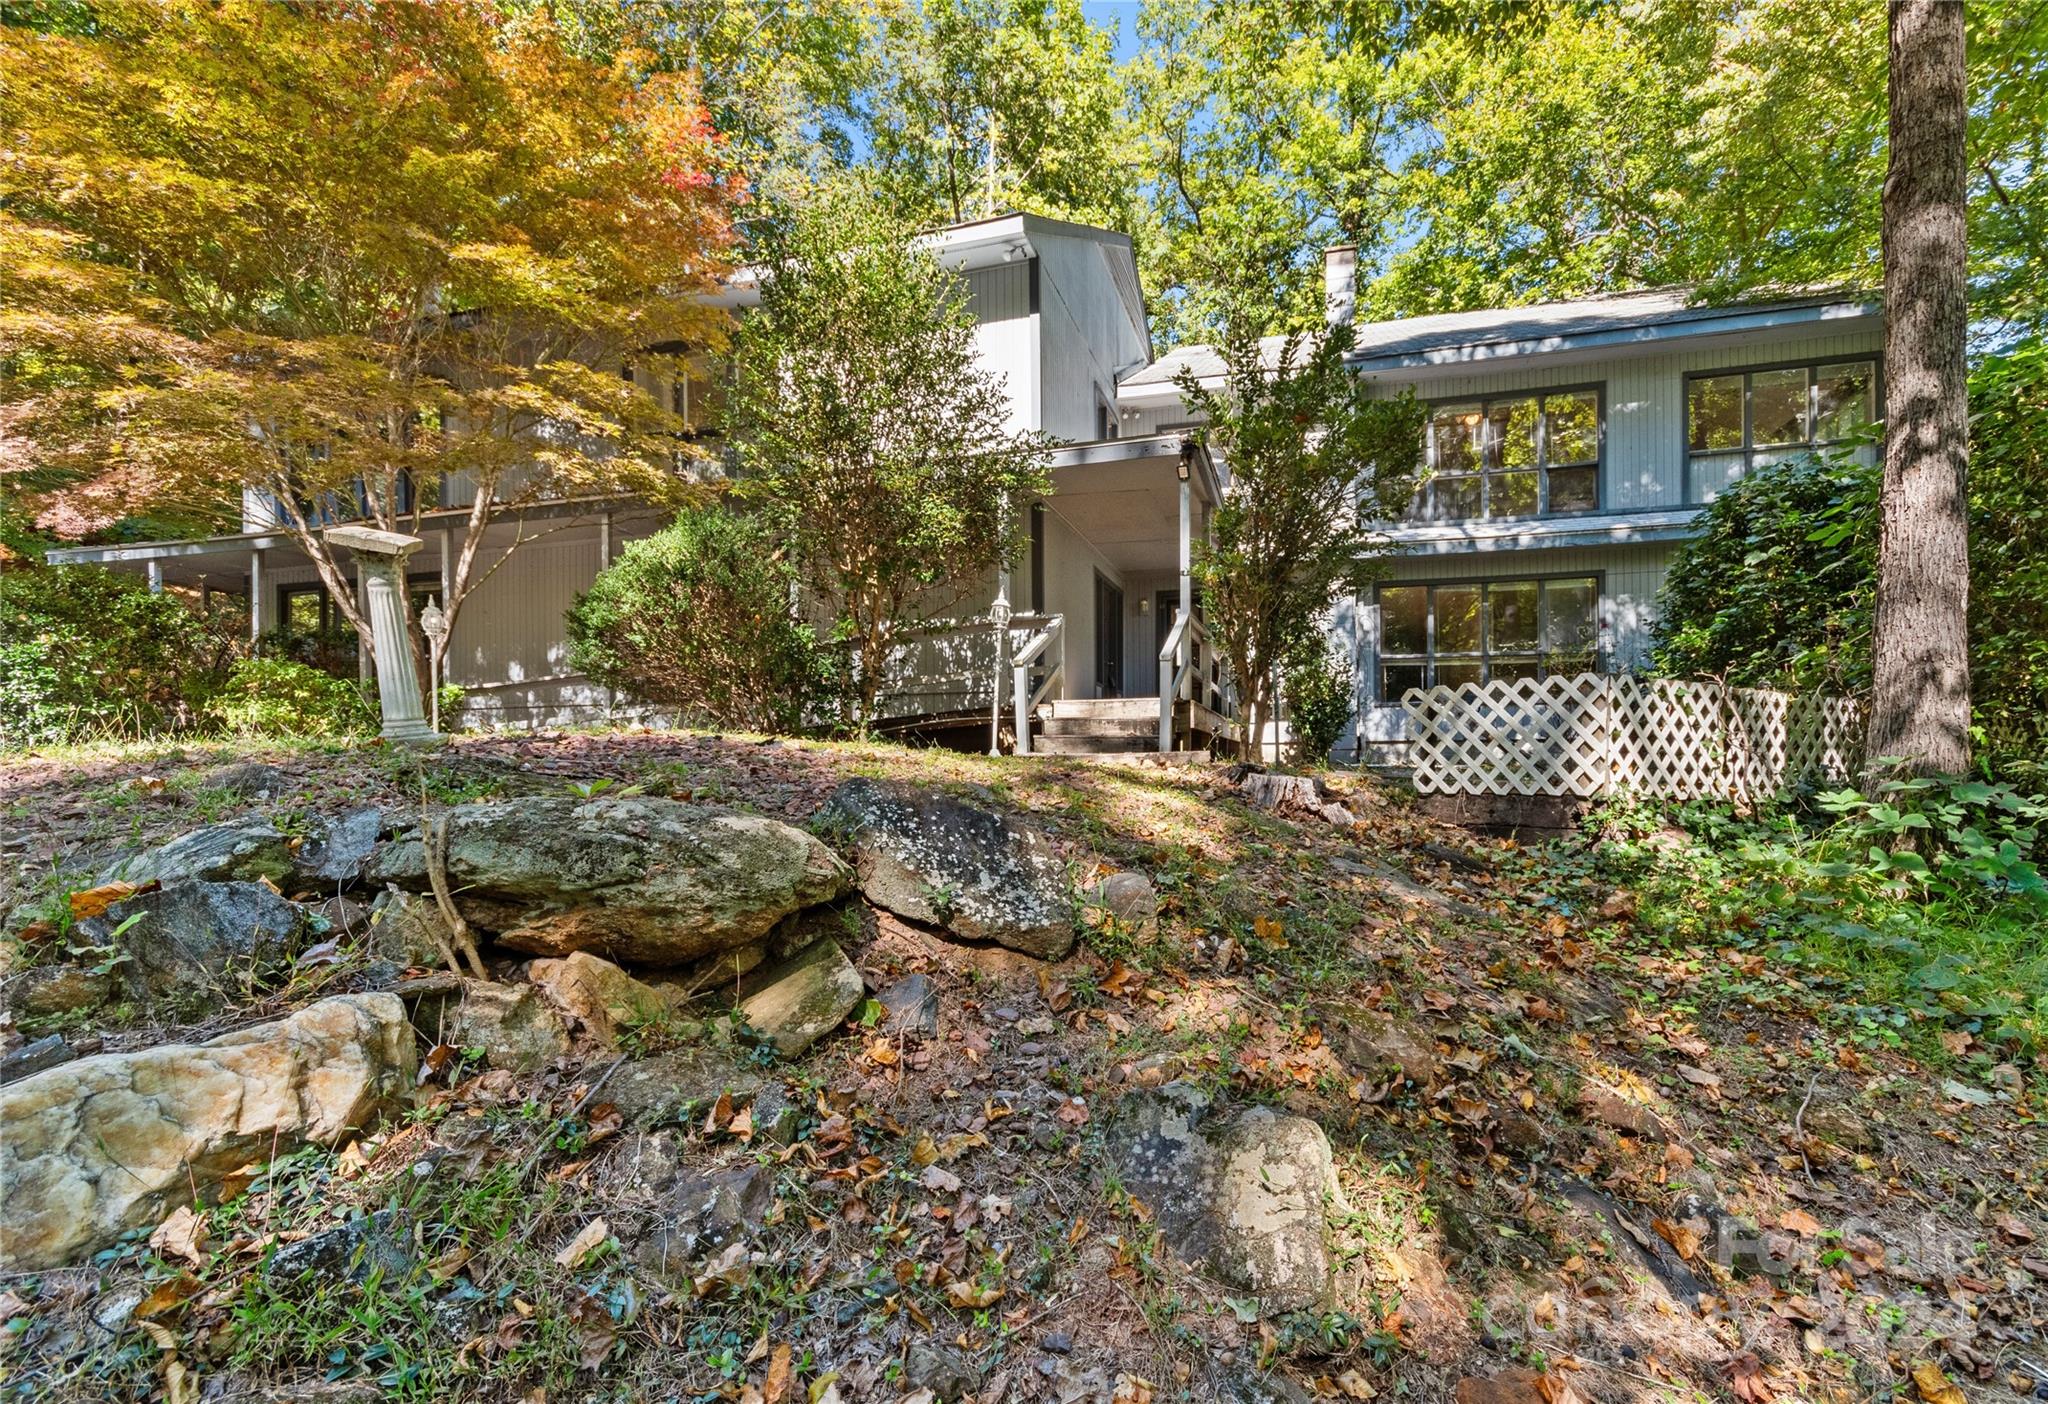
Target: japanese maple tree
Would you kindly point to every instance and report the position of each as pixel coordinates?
(349, 256)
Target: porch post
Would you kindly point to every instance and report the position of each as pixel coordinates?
(999, 615)
(256, 611)
(1185, 655)
(156, 577)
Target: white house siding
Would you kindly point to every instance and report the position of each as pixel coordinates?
(1071, 565)
(1630, 577)
(1642, 402)
(1086, 336)
(1006, 335)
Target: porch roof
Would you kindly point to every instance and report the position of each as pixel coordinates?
(1123, 496)
(223, 561)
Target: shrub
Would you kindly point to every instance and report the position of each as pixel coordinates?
(86, 652)
(1318, 690)
(700, 618)
(1778, 589)
(1910, 907)
(280, 697)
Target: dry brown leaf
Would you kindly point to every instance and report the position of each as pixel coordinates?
(167, 1296)
(181, 1235)
(966, 1294)
(1800, 1222)
(1684, 1241)
(1935, 1387)
(1356, 1385)
(583, 1244)
(94, 901)
(775, 1388)
(1749, 1381)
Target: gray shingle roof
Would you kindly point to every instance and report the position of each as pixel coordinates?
(1539, 322)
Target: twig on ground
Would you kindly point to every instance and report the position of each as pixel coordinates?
(1799, 1127)
(434, 843)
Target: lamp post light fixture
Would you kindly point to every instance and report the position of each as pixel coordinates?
(434, 624)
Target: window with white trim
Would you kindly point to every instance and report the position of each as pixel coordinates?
(1479, 630)
(1524, 455)
(1736, 421)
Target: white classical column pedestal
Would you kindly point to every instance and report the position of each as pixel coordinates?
(380, 556)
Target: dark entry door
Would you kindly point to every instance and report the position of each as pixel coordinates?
(1109, 639)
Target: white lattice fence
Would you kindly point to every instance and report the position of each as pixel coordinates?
(1592, 735)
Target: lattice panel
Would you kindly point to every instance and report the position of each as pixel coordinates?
(1593, 735)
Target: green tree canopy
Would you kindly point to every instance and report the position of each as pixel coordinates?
(870, 440)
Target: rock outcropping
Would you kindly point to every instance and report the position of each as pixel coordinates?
(938, 860)
(638, 880)
(106, 1144)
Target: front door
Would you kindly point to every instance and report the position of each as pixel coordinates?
(1109, 639)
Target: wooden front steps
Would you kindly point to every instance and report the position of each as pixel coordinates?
(1127, 729)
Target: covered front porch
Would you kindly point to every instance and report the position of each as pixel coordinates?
(1094, 642)
(507, 652)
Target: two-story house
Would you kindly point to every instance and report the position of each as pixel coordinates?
(1569, 448)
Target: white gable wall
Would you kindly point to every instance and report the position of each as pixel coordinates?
(1086, 336)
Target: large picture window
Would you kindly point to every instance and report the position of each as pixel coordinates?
(1739, 420)
(1515, 456)
(1477, 631)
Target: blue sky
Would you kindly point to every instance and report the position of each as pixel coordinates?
(1119, 17)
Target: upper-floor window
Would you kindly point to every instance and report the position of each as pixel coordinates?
(1522, 455)
(1739, 420)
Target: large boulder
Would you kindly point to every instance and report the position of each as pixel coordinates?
(244, 849)
(191, 945)
(516, 1026)
(806, 997)
(1244, 1200)
(935, 859)
(635, 879)
(337, 851)
(97, 1147)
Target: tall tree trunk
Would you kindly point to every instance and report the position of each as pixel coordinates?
(1920, 688)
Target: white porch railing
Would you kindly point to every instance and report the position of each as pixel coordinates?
(1183, 676)
(1592, 735)
(1036, 668)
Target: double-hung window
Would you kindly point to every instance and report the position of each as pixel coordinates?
(1477, 631)
(1512, 456)
(1739, 420)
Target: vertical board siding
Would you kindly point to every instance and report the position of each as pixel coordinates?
(1085, 334)
(1643, 403)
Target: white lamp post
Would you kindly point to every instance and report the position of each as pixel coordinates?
(434, 624)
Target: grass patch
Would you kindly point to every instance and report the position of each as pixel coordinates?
(1910, 911)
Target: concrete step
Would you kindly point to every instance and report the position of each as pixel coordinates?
(1147, 758)
(1101, 726)
(1085, 745)
(1118, 708)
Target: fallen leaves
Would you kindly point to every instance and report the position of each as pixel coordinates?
(586, 1242)
(181, 1235)
(1684, 1241)
(1934, 1387)
(1800, 1222)
(94, 901)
